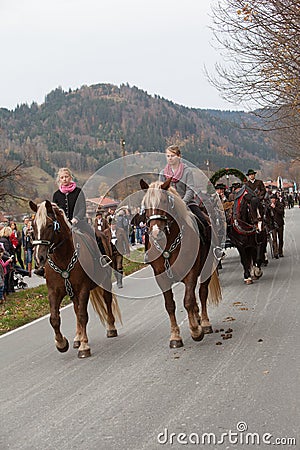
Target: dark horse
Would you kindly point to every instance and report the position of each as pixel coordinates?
(54, 248)
(245, 229)
(177, 253)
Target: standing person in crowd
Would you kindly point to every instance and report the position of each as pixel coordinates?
(220, 190)
(277, 214)
(25, 222)
(16, 239)
(9, 251)
(137, 219)
(257, 186)
(100, 225)
(119, 246)
(4, 272)
(29, 238)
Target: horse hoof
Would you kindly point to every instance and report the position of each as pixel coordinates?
(111, 333)
(176, 344)
(65, 348)
(76, 344)
(207, 330)
(248, 281)
(84, 353)
(200, 337)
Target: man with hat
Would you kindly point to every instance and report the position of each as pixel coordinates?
(220, 190)
(257, 186)
(235, 187)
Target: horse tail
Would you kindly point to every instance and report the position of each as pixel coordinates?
(214, 289)
(99, 305)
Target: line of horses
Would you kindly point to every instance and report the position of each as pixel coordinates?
(176, 250)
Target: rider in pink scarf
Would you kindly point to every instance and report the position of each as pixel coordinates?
(181, 174)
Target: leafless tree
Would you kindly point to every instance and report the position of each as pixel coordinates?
(260, 40)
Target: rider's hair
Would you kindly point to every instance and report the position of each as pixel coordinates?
(174, 149)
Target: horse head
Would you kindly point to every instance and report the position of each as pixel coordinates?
(48, 224)
(159, 204)
(255, 211)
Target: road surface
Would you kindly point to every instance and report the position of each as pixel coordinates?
(136, 393)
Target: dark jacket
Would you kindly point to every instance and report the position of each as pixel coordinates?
(72, 203)
(7, 245)
(277, 214)
(257, 187)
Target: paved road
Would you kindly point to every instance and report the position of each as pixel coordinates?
(134, 391)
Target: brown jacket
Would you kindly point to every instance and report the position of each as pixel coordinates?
(103, 225)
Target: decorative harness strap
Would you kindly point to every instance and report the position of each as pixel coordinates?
(167, 253)
(65, 274)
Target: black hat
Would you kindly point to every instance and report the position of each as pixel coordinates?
(220, 186)
(273, 196)
(251, 172)
(236, 185)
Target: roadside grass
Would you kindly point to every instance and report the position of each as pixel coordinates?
(27, 305)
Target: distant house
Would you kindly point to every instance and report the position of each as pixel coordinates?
(105, 203)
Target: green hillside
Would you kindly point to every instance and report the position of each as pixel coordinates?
(83, 128)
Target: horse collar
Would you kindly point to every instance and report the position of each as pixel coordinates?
(65, 273)
(167, 253)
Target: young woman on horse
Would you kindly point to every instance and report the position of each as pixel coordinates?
(183, 181)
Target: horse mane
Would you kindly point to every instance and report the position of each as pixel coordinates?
(152, 199)
(41, 214)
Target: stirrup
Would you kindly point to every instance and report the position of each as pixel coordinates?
(105, 261)
(218, 253)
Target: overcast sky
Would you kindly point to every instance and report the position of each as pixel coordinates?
(160, 46)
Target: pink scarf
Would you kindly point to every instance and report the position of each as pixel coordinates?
(67, 189)
(176, 176)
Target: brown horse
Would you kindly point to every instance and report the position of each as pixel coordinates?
(246, 231)
(54, 248)
(176, 252)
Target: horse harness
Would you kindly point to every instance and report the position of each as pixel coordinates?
(167, 253)
(64, 273)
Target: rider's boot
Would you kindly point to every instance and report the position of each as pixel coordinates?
(40, 271)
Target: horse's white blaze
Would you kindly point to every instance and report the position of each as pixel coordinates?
(155, 231)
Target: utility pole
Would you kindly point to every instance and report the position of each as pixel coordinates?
(122, 145)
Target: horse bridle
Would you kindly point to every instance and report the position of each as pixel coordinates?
(167, 253)
(52, 246)
(163, 217)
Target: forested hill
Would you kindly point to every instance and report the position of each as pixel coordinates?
(83, 128)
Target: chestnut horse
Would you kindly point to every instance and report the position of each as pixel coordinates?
(55, 249)
(176, 253)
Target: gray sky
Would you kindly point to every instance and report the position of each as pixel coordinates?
(160, 46)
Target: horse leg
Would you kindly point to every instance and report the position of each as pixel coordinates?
(246, 263)
(77, 338)
(111, 330)
(84, 350)
(61, 342)
(189, 304)
(175, 339)
(203, 294)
